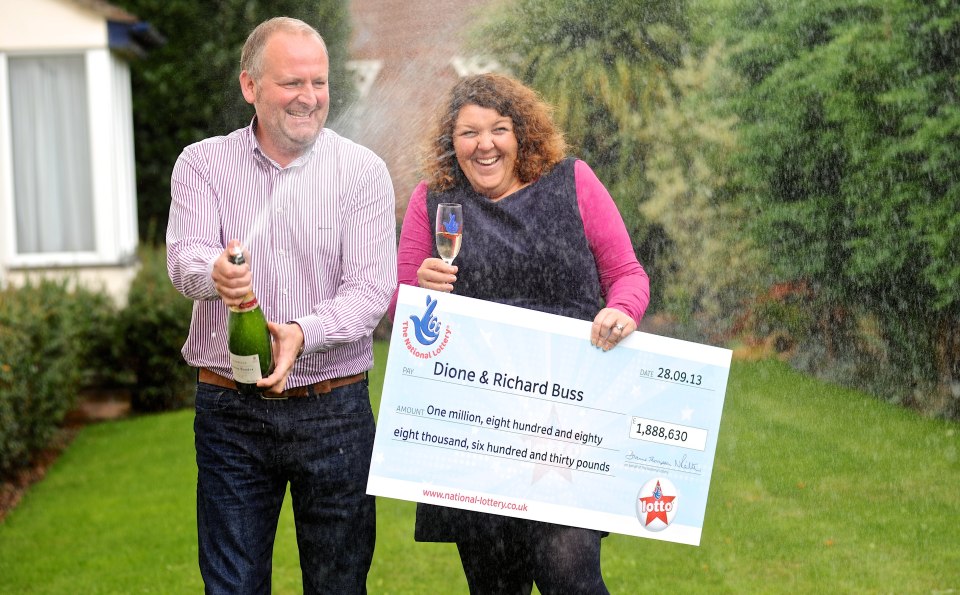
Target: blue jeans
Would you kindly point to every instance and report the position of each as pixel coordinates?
(248, 449)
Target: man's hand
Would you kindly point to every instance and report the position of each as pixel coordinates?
(233, 282)
(287, 341)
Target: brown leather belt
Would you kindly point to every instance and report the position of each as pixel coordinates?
(210, 377)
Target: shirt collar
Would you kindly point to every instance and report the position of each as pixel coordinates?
(264, 158)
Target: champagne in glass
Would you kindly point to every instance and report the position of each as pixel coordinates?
(449, 230)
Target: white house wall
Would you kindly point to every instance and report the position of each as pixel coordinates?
(55, 25)
(32, 27)
(124, 162)
(6, 174)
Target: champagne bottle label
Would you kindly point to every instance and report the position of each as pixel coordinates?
(246, 368)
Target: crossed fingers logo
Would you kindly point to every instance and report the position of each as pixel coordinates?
(427, 327)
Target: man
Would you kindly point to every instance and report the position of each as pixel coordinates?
(315, 214)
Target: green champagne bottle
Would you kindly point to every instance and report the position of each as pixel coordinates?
(248, 340)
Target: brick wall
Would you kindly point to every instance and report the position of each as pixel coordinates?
(415, 44)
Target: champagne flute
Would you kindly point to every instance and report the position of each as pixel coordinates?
(449, 230)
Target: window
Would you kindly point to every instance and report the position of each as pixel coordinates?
(467, 65)
(364, 74)
(67, 185)
(52, 171)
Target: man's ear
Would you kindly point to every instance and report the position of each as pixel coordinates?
(248, 87)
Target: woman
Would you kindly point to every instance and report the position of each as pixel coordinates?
(541, 233)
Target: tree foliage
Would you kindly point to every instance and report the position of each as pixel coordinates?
(851, 143)
(591, 61)
(577, 53)
(188, 89)
(641, 100)
(713, 267)
(823, 134)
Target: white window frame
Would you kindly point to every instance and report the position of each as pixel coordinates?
(474, 64)
(110, 122)
(364, 74)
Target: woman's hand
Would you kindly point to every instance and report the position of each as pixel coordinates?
(436, 274)
(610, 326)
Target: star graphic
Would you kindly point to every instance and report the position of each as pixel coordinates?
(538, 443)
(656, 506)
(486, 336)
(540, 470)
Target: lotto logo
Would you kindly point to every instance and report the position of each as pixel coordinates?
(657, 504)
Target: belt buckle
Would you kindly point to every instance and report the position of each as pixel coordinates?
(268, 397)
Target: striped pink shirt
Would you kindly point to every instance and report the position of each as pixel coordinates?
(322, 240)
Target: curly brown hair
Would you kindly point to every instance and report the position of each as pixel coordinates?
(540, 143)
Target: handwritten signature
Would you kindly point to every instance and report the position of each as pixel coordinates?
(682, 463)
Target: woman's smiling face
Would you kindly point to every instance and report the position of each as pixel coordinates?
(486, 149)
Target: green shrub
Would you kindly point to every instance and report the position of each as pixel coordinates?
(13, 448)
(40, 367)
(154, 326)
(56, 339)
(100, 340)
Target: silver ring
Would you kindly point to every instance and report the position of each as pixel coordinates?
(619, 327)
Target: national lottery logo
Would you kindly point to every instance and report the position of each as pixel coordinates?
(427, 329)
(657, 504)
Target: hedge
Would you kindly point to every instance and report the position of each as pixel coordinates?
(57, 340)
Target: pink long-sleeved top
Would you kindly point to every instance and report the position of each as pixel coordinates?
(623, 281)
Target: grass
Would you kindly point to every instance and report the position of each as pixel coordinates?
(814, 488)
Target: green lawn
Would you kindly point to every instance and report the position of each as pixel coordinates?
(814, 489)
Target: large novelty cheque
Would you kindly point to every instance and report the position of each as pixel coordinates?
(510, 411)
